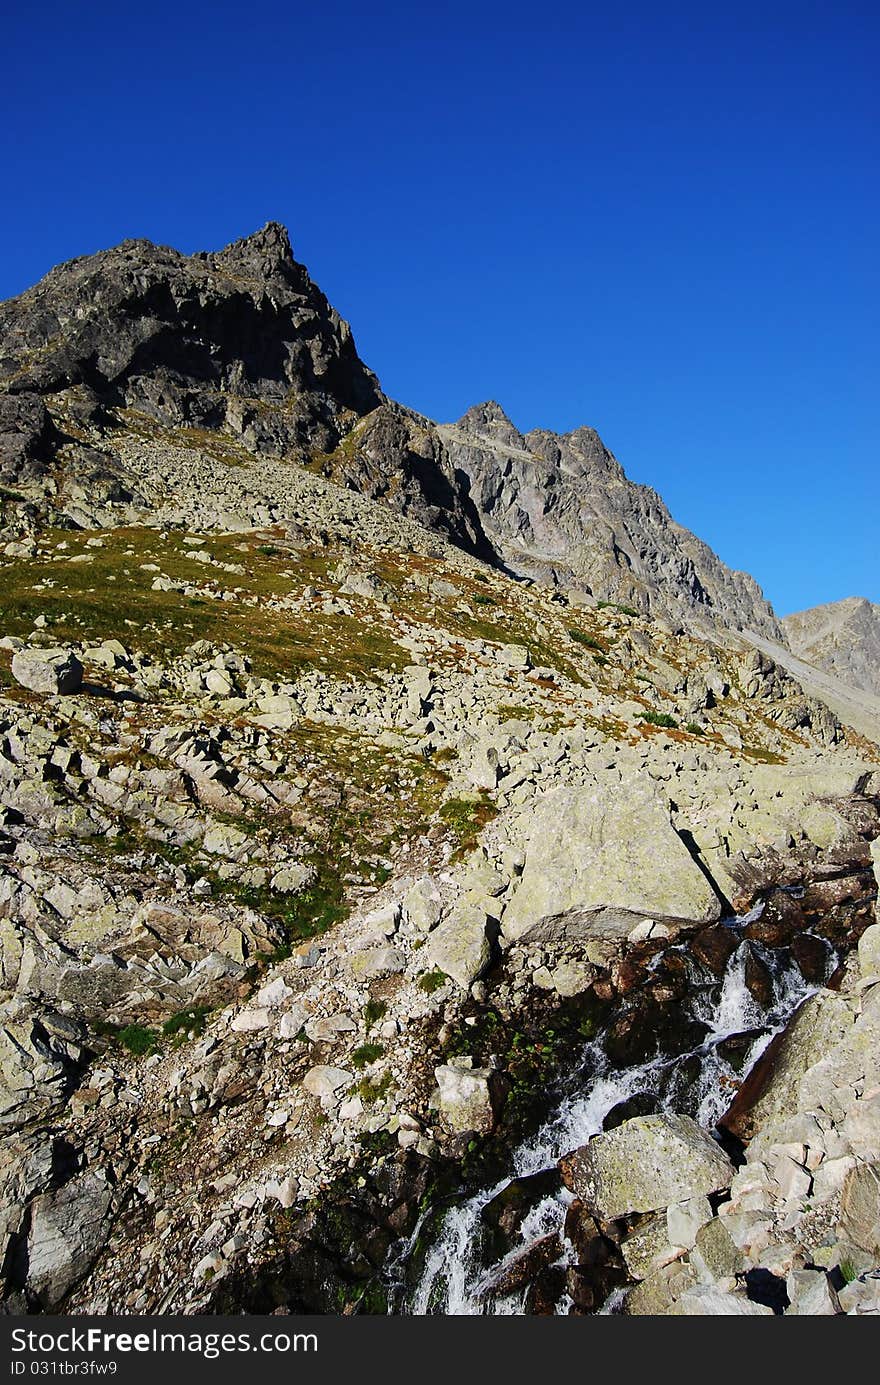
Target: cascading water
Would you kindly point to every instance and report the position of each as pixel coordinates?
(454, 1277)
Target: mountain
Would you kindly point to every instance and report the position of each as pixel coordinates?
(559, 508)
(241, 344)
(841, 638)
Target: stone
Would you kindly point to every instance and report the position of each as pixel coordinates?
(465, 1098)
(376, 961)
(606, 846)
(860, 1208)
(68, 1229)
(861, 1295)
(250, 1021)
(646, 1164)
(715, 1303)
(684, 1219)
(810, 1294)
(869, 942)
(459, 946)
(715, 1255)
(325, 1082)
(648, 1249)
(47, 670)
(423, 904)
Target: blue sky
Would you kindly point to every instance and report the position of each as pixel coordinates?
(658, 219)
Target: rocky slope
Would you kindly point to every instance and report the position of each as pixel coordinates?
(842, 638)
(325, 846)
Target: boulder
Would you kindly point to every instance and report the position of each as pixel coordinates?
(714, 1303)
(607, 845)
(645, 1165)
(465, 1098)
(47, 670)
(459, 946)
(68, 1230)
(325, 1082)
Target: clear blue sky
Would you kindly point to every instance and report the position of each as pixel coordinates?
(660, 219)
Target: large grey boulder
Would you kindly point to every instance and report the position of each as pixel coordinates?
(68, 1229)
(459, 946)
(646, 1164)
(47, 670)
(607, 845)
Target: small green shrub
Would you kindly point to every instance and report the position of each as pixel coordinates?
(694, 728)
(580, 638)
(481, 600)
(658, 719)
(431, 981)
(138, 1039)
(374, 1011)
(366, 1054)
(187, 1023)
(373, 1089)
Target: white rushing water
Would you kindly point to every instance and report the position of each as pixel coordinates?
(454, 1278)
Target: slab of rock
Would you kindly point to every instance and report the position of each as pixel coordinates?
(47, 670)
(645, 1165)
(714, 1303)
(607, 845)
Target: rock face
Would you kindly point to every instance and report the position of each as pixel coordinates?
(842, 638)
(239, 342)
(241, 338)
(646, 1164)
(603, 846)
(559, 507)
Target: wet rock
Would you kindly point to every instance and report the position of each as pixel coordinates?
(639, 1104)
(759, 982)
(519, 1269)
(811, 955)
(714, 947)
(503, 1215)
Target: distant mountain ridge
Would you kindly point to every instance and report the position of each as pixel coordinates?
(842, 638)
(242, 343)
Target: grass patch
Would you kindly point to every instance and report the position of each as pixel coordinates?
(616, 606)
(694, 728)
(187, 1024)
(374, 1011)
(466, 818)
(580, 638)
(138, 1039)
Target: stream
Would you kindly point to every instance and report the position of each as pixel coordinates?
(455, 1274)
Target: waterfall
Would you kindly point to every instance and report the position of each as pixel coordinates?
(454, 1277)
